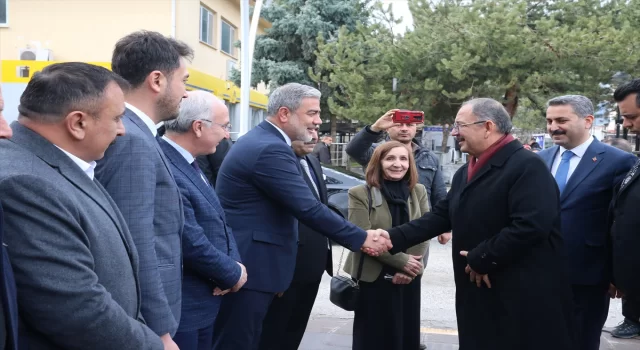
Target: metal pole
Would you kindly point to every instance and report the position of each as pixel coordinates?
(245, 77)
(248, 42)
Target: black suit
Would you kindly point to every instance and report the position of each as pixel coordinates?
(286, 320)
(626, 241)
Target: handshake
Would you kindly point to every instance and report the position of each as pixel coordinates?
(377, 242)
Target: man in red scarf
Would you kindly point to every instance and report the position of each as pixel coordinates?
(512, 291)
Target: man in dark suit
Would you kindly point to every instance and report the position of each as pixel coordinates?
(511, 290)
(624, 231)
(288, 315)
(263, 193)
(8, 302)
(210, 163)
(211, 259)
(138, 177)
(587, 171)
(322, 150)
(75, 263)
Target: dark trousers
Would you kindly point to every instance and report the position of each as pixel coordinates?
(387, 316)
(287, 319)
(200, 339)
(591, 305)
(631, 307)
(239, 322)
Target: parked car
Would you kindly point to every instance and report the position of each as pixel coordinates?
(339, 181)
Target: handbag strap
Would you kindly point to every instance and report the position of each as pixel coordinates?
(361, 262)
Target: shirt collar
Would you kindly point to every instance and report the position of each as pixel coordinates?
(145, 118)
(188, 156)
(87, 168)
(287, 139)
(579, 150)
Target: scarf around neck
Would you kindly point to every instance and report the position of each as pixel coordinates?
(476, 164)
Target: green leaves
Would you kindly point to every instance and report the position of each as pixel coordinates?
(461, 49)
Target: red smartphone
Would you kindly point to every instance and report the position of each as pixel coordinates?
(408, 117)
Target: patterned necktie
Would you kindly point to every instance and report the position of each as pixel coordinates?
(305, 166)
(195, 165)
(563, 170)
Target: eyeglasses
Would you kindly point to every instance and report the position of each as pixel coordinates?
(226, 127)
(457, 126)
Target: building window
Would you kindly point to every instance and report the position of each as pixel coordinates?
(207, 25)
(228, 38)
(3, 12)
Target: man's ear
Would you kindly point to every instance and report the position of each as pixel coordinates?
(284, 114)
(76, 124)
(155, 81)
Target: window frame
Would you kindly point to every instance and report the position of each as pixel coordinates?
(212, 26)
(6, 9)
(232, 39)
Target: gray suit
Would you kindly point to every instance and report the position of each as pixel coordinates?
(75, 264)
(137, 176)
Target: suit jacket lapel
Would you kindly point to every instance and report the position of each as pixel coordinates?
(145, 129)
(196, 179)
(552, 156)
(314, 165)
(50, 154)
(590, 160)
(308, 180)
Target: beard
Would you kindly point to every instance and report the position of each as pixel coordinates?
(301, 133)
(168, 109)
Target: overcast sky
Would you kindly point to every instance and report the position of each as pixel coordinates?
(401, 9)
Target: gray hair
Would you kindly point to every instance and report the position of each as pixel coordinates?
(620, 143)
(490, 109)
(582, 106)
(198, 105)
(290, 96)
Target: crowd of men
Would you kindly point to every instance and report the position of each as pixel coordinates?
(114, 237)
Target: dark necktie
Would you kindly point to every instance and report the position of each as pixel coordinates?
(195, 165)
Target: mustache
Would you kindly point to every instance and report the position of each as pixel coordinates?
(558, 132)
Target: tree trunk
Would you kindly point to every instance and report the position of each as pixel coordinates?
(510, 102)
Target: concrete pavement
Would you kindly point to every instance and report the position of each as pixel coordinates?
(330, 327)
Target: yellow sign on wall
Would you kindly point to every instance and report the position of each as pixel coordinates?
(13, 71)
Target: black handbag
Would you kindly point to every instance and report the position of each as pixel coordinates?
(345, 290)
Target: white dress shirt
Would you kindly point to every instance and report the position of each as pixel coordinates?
(578, 153)
(185, 154)
(87, 168)
(145, 118)
(286, 138)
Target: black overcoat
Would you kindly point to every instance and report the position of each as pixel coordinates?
(508, 218)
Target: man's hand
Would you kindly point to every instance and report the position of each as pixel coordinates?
(377, 242)
(168, 343)
(384, 122)
(474, 276)
(401, 278)
(614, 292)
(444, 238)
(413, 266)
(241, 281)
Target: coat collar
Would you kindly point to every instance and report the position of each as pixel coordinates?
(182, 165)
(593, 156)
(497, 160)
(55, 158)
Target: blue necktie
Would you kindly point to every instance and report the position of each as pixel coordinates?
(563, 170)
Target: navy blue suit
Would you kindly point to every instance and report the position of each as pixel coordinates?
(264, 194)
(8, 296)
(584, 206)
(209, 252)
